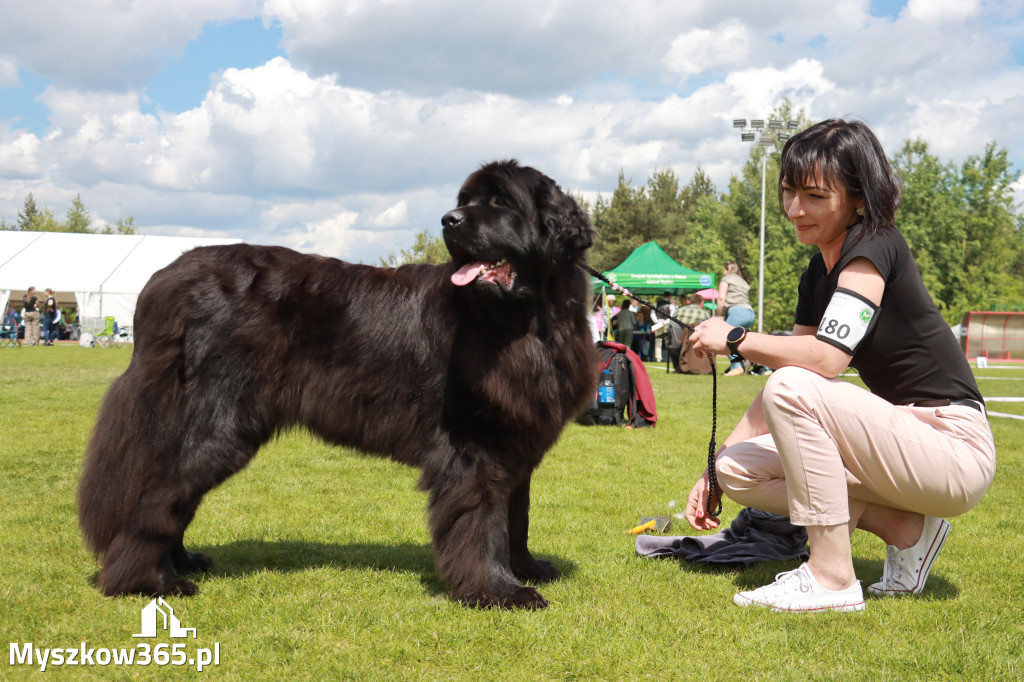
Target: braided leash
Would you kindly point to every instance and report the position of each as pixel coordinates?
(712, 473)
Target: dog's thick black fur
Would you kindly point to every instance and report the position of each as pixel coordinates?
(468, 370)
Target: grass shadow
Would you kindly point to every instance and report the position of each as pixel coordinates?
(246, 557)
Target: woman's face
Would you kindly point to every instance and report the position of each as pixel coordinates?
(820, 214)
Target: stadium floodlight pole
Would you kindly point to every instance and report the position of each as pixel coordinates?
(757, 126)
(760, 269)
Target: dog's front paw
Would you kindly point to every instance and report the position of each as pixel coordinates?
(535, 571)
(192, 562)
(154, 585)
(521, 597)
(525, 598)
(180, 586)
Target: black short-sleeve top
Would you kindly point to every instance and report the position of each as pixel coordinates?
(910, 354)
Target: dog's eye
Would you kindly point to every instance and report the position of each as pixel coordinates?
(499, 202)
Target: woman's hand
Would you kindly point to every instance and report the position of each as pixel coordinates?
(697, 505)
(709, 337)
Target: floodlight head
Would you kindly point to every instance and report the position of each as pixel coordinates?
(747, 137)
(757, 123)
(739, 123)
(792, 125)
(774, 124)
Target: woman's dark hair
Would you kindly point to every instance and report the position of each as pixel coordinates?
(844, 154)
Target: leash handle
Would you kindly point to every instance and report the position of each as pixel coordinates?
(712, 472)
(712, 447)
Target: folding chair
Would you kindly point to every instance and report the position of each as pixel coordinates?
(96, 331)
(108, 337)
(120, 335)
(9, 336)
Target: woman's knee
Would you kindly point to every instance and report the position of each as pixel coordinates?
(747, 465)
(790, 386)
(789, 379)
(752, 475)
(732, 478)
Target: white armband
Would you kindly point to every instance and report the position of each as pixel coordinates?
(847, 320)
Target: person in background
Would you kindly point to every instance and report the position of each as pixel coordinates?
(595, 320)
(684, 359)
(734, 306)
(10, 325)
(603, 317)
(625, 321)
(30, 315)
(642, 336)
(663, 309)
(895, 459)
(50, 318)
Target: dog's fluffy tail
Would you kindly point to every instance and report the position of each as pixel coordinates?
(114, 470)
(134, 446)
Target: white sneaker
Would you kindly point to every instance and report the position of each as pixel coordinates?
(798, 591)
(906, 570)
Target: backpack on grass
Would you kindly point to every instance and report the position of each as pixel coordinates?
(633, 396)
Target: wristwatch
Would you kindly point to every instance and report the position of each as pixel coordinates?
(734, 339)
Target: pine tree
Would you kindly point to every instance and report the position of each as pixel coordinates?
(78, 218)
(28, 219)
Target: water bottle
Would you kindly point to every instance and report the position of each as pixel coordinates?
(606, 399)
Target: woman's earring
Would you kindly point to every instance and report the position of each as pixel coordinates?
(860, 211)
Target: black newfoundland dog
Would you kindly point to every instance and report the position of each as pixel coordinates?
(468, 370)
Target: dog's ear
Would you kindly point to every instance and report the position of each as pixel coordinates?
(565, 221)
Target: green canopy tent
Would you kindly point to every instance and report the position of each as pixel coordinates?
(649, 270)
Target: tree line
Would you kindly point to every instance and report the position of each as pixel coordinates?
(77, 219)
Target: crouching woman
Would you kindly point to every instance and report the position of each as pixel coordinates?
(895, 460)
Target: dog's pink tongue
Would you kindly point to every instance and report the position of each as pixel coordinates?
(466, 274)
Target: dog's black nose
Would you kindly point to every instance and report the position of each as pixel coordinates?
(453, 217)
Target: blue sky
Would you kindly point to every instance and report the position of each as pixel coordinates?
(184, 80)
(345, 128)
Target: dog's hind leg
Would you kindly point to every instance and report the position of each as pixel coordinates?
(185, 561)
(140, 560)
(148, 553)
(469, 527)
(524, 566)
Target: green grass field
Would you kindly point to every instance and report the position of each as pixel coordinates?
(323, 565)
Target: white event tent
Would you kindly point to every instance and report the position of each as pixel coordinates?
(102, 273)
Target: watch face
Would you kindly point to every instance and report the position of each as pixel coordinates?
(735, 334)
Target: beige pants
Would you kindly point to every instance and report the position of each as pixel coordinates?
(832, 441)
(31, 328)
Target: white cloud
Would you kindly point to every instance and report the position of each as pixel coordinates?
(759, 90)
(701, 50)
(395, 215)
(8, 72)
(332, 235)
(941, 11)
(19, 155)
(525, 48)
(99, 44)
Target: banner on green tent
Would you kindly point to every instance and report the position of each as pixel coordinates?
(650, 270)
